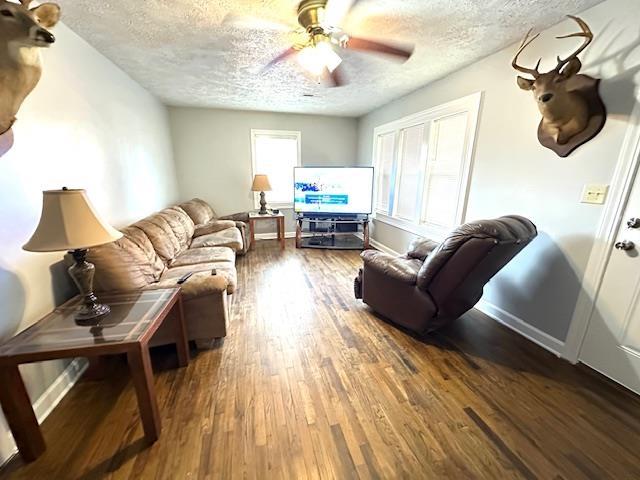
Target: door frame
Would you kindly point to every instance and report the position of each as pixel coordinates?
(619, 192)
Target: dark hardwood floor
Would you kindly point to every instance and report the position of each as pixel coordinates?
(311, 384)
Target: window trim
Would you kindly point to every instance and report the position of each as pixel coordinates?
(275, 133)
(470, 104)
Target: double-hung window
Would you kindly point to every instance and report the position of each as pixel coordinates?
(423, 165)
(275, 153)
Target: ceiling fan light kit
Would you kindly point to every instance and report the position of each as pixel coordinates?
(317, 55)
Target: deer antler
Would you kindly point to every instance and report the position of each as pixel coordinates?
(525, 43)
(586, 33)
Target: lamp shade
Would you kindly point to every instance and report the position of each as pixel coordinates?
(69, 222)
(261, 184)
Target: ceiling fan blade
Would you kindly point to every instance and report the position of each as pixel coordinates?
(255, 23)
(335, 78)
(283, 56)
(336, 11)
(378, 47)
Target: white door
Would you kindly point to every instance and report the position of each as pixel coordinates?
(612, 342)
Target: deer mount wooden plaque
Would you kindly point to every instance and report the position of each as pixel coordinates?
(572, 110)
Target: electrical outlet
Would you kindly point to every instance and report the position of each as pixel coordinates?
(595, 194)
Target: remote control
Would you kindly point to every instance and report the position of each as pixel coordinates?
(184, 278)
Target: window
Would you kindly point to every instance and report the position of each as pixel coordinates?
(422, 166)
(275, 153)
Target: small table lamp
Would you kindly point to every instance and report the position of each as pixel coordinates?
(69, 222)
(261, 184)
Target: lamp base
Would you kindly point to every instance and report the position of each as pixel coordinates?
(88, 315)
(263, 205)
(82, 273)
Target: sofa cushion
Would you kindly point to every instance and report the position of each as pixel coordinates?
(169, 231)
(227, 270)
(194, 256)
(198, 285)
(123, 264)
(212, 227)
(181, 225)
(231, 237)
(161, 235)
(141, 240)
(199, 211)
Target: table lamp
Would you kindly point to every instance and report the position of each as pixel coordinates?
(69, 222)
(261, 184)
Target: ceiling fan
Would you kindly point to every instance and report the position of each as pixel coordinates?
(317, 53)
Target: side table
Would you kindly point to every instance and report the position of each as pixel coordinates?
(134, 318)
(278, 217)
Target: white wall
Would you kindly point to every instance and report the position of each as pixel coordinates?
(87, 125)
(212, 150)
(513, 173)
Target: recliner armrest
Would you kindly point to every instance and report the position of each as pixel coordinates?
(402, 269)
(420, 248)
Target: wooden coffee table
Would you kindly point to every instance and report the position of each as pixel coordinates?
(134, 318)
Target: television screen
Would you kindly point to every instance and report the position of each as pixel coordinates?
(333, 190)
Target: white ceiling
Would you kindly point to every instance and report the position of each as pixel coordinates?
(181, 52)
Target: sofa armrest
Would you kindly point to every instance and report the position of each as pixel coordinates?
(242, 221)
(212, 227)
(398, 268)
(246, 238)
(237, 217)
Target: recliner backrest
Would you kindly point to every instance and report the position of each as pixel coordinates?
(454, 274)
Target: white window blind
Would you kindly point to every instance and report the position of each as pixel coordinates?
(275, 153)
(423, 167)
(385, 161)
(411, 167)
(442, 183)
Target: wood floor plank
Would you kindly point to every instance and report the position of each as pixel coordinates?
(311, 384)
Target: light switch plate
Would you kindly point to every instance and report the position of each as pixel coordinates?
(595, 194)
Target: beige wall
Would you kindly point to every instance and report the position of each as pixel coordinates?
(212, 149)
(512, 173)
(87, 125)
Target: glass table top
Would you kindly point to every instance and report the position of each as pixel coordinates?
(131, 315)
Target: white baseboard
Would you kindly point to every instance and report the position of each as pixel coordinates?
(45, 404)
(274, 235)
(382, 247)
(518, 325)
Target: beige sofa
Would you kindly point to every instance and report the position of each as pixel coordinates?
(157, 251)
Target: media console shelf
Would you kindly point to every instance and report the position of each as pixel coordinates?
(340, 232)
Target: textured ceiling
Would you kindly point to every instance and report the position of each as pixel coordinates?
(181, 52)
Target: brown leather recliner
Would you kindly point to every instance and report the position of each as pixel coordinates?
(433, 283)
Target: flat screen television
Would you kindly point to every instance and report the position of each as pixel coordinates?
(338, 190)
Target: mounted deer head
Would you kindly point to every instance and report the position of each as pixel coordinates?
(23, 32)
(571, 107)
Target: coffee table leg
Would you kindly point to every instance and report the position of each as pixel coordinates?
(182, 342)
(142, 375)
(19, 414)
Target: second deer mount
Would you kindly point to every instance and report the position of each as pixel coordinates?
(572, 110)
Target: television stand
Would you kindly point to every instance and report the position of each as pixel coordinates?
(332, 231)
